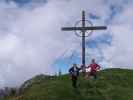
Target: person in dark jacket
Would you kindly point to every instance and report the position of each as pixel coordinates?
(74, 73)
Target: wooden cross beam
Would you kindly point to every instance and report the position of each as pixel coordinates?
(83, 29)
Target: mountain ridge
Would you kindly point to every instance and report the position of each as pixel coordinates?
(112, 84)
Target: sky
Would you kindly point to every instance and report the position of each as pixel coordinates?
(31, 40)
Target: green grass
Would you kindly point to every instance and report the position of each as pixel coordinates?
(112, 84)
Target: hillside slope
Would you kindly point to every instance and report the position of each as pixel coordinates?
(112, 84)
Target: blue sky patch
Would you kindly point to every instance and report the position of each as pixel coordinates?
(22, 3)
(64, 63)
(103, 39)
(93, 16)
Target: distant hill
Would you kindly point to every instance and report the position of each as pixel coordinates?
(112, 84)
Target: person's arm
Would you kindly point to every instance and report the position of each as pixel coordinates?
(88, 66)
(98, 67)
(79, 68)
(70, 70)
(70, 73)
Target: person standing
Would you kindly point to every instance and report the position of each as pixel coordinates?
(94, 67)
(74, 73)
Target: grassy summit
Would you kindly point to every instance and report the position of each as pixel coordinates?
(112, 84)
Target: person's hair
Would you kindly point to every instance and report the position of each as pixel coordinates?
(74, 64)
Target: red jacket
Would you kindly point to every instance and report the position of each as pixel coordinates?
(94, 67)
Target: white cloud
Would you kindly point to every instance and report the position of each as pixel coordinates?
(30, 41)
(121, 49)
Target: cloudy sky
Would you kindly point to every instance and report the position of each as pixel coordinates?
(31, 40)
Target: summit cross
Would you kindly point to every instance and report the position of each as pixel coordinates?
(83, 29)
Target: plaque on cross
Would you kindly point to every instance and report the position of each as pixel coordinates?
(83, 28)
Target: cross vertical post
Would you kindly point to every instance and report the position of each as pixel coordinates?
(83, 40)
